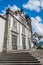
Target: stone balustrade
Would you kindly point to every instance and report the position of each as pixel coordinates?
(38, 54)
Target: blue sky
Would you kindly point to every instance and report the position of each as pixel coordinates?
(34, 8)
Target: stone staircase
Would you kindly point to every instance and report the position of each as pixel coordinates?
(22, 58)
(38, 54)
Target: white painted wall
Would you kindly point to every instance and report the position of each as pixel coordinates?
(2, 29)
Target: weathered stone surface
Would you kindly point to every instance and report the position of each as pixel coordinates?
(22, 58)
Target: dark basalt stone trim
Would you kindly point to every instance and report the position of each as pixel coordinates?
(20, 15)
(23, 34)
(14, 32)
(2, 17)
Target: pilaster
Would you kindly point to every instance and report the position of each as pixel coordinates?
(5, 34)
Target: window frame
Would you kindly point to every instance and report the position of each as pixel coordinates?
(13, 42)
(23, 29)
(14, 23)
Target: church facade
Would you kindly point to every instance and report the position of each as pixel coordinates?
(15, 31)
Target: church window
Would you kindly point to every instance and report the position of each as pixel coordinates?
(14, 23)
(23, 42)
(29, 43)
(14, 42)
(23, 29)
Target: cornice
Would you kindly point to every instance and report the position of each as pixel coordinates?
(20, 15)
(2, 17)
(9, 12)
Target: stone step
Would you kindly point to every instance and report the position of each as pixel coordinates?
(20, 64)
(19, 61)
(18, 58)
(17, 55)
(3, 56)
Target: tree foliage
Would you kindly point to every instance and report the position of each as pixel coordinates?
(35, 42)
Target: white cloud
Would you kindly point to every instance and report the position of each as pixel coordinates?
(41, 40)
(37, 25)
(13, 8)
(3, 11)
(36, 5)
